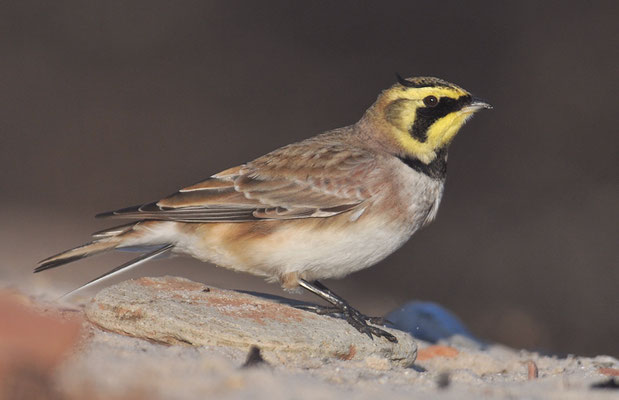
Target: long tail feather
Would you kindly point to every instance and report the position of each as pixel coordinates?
(126, 266)
(77, 253)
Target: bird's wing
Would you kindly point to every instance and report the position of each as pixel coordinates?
(296, 181)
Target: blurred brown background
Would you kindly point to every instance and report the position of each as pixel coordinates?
(110, 104)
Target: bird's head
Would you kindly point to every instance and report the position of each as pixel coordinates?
(422, 115)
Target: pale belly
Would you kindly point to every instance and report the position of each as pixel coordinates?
(314, 248)
(331, 253)
(314, 252)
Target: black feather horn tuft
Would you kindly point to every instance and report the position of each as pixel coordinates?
(403, 81)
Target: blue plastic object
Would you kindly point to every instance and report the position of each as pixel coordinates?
(428, 321)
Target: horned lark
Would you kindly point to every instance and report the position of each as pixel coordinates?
(321, 208)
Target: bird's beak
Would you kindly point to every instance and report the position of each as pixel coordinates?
(475, 105)
(478, 104)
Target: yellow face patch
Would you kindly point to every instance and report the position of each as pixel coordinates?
(404, 105)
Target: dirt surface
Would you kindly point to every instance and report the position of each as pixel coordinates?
(55, 352)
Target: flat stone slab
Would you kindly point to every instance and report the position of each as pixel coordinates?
(175, 311)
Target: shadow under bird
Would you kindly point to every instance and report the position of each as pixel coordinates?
(321, 208)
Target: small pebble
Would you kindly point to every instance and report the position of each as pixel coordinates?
(442, 381)
(254, 358)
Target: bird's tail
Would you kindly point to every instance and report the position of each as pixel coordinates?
(106, 240)
(77, 253)
(132, 237)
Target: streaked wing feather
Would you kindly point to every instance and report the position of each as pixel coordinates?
(297, 181)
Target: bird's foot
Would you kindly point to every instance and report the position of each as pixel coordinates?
(355, 318)
(332, 310)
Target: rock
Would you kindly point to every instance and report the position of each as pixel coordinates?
(437, 351)
(34, 341)
(178, 311)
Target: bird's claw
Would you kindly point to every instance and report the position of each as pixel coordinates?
(355, 318)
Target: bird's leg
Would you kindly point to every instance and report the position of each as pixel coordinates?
(337, 309)
(325, 310)
(340, 306)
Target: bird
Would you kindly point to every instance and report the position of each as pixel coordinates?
(321, 208)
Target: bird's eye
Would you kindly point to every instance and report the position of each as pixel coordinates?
(430, 101)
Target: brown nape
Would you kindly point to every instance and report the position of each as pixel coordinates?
(373, 129)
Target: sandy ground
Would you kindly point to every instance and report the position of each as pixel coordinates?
(51, 352)
(117, 365)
